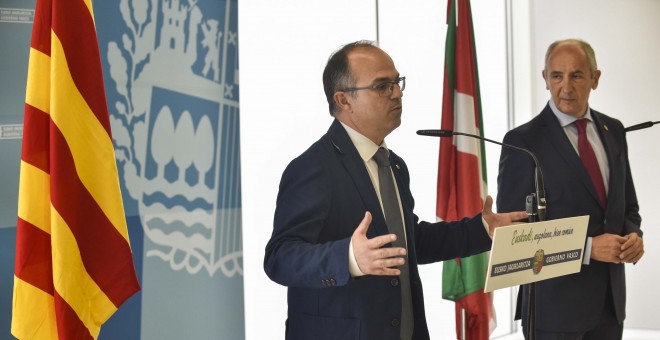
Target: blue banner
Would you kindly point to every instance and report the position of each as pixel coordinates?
(171, 77)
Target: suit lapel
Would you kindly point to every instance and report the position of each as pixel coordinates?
(354, 165)
(611, 149)
(555, 132)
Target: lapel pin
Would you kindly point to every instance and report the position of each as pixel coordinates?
(398, 167)
(605, 127)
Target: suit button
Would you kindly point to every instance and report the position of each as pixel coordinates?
(324, 282)
(396, 322)
(394, 282)
(333, 282)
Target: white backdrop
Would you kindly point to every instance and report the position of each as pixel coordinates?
(284, 46)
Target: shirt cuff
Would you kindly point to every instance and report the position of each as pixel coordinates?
(587, 252)
(486, 226)
(353, 267)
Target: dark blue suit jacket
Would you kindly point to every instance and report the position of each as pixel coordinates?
(574, 302)
(323, 196)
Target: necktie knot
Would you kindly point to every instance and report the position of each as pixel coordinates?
(581, 125)
(382, 158)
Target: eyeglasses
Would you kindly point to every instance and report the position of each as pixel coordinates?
(384, 89)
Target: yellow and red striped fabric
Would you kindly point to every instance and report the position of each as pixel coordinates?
(74, 265)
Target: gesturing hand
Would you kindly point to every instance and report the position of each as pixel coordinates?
(499, 220)
(371, 255)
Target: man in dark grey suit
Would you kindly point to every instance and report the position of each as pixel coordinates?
(333, 244)
(584, 158)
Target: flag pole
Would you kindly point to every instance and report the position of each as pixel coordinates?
(463, 330)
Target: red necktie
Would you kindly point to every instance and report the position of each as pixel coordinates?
(589, 160)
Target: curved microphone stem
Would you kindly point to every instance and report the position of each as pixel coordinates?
(536, 161)
(538, 175)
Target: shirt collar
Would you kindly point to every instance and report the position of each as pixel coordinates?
(365, 147)
(565, 119)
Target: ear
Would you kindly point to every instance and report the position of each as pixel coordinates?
(596, 78)
(544, 74)
(342, 100)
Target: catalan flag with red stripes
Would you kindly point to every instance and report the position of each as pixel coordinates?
(74, 265)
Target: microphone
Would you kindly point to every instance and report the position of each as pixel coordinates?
(436, 133)
(541, 204)
(640, 126)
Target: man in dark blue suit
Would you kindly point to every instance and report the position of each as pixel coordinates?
(331, 245)
(584, 158)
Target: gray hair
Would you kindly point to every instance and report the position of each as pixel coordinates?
(586, 48)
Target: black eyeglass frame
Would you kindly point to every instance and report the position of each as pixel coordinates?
(384, 91)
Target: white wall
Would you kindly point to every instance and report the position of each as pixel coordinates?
(284, 47)
(626, 38)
